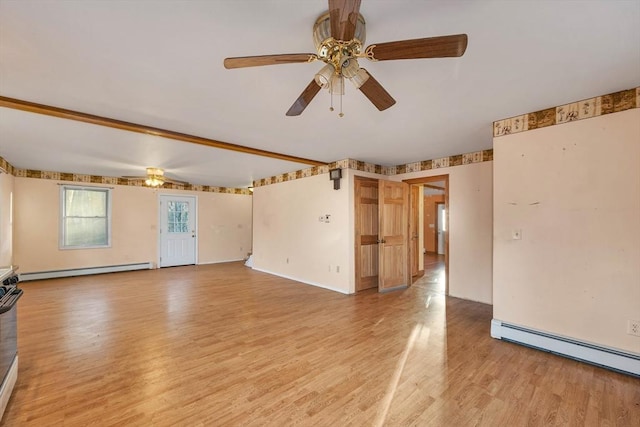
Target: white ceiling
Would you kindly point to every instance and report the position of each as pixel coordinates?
(159, 63)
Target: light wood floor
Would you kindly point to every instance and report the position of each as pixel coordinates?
(224, 345)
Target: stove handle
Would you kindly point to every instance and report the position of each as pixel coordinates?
(8, 305)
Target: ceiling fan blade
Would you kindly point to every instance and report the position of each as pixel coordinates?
(343, 15)
(376, 93)
(175, 181)
(257, 61)
(304, 99)
(430, 47)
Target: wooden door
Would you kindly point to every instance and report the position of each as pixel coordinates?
(414, 224)
(366, 222)
(393, 232)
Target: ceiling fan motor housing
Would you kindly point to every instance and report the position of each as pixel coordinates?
(338, 53)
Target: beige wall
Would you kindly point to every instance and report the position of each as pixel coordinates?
(224, 227)
(470, 228)
(574, 192)
(6, 231)
(290, 241)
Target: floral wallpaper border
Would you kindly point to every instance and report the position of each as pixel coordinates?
(96, 179)
(444, 162)
(585, 109)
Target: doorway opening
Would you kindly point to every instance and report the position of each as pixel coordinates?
(429, 224)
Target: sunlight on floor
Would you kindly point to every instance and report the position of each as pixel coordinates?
(419, 334)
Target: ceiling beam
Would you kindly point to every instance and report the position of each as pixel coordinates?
(32, 107)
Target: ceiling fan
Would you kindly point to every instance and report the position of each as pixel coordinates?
(339, 37)
(155, 177)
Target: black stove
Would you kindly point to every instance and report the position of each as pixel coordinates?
(9, 295)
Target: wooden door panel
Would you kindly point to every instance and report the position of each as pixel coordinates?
(369, 218)
(414, 237)
(369, 260)
(392, 212)
(393, 263)
(366, 241)
(393, 247)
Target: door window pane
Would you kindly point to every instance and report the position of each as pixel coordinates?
(177, 217)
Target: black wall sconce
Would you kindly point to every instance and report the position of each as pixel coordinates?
(335, 175)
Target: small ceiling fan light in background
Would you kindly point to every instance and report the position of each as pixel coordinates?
(155, 177)
(154, 181)
(323, 77)
(155, 171)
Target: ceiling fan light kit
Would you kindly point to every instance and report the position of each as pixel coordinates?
(155, 177)
(339, 36)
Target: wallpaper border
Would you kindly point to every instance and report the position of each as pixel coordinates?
(108, 180)
(580, 110)
(443, 162)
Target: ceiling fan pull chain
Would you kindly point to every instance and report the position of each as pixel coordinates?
(341, 94)
(331, 92)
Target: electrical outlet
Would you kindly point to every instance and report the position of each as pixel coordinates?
(633, 327)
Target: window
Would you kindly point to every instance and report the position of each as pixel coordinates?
(178, 220)
(85, 217)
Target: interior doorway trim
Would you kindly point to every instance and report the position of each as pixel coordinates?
(426, 180)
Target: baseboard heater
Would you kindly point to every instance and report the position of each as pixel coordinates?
(628, 363)
(84, 271)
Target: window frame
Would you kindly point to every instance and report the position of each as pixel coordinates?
(62, 216)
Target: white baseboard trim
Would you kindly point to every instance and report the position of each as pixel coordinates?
(7, 385)
(618, 360)
(84, 271)
(306, 282)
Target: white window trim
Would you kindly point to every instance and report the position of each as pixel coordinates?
(62, 230)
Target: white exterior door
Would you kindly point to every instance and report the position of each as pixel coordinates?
(177, 230)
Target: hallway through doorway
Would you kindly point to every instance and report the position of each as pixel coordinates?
(434, 273)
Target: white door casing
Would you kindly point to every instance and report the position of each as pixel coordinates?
(178, 234)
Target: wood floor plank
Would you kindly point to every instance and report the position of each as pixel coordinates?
(226, 345)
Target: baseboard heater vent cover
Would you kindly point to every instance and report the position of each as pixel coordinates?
(628, 363)
(84, 271)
